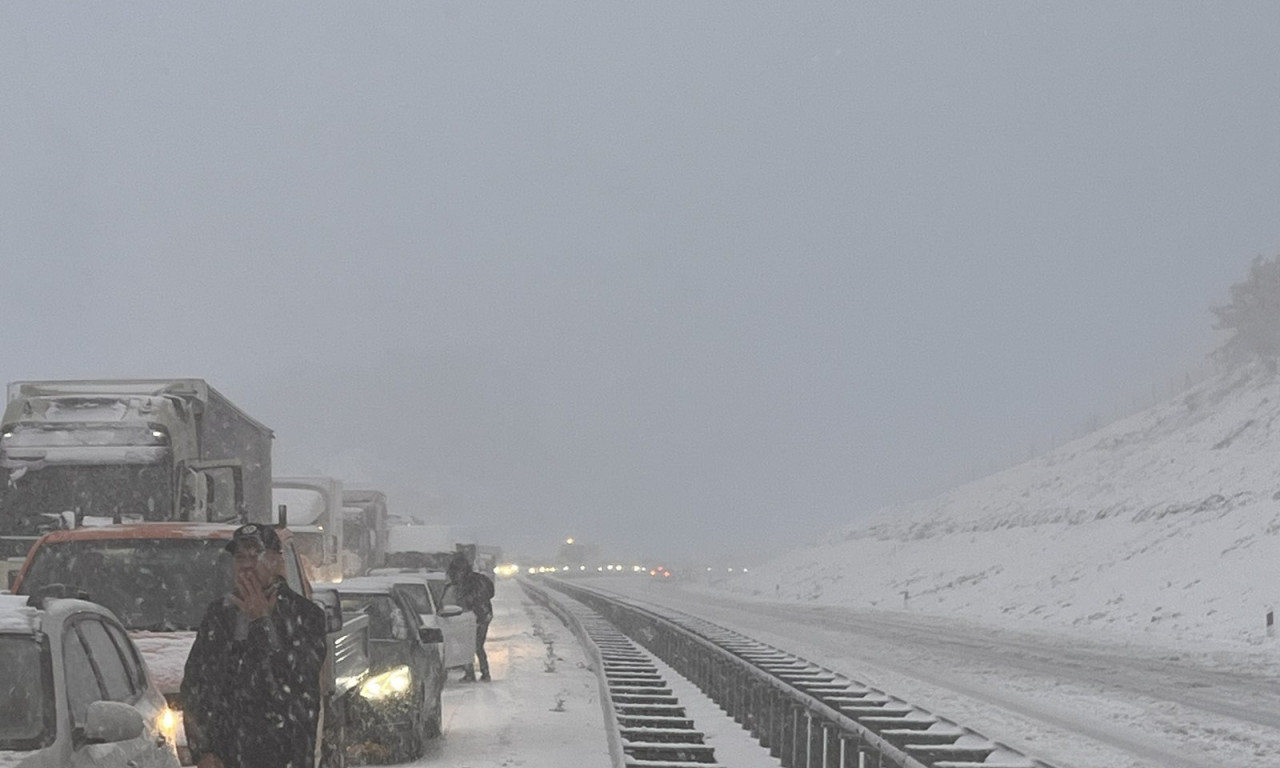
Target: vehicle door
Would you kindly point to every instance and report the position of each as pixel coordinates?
(416, 593)
(427, 659)
(459, 627)
(97, 669)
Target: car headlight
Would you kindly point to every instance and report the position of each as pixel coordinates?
(169, 722)
(394, 682)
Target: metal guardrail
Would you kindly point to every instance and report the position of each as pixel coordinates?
(806, 715)
(645, 724)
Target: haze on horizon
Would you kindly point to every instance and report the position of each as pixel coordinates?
(682, 280)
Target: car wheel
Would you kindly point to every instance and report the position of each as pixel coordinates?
(435, 720)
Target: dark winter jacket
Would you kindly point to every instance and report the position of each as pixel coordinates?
(474, 592)
(251, 690)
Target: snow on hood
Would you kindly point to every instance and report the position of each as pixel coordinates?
(17, 759)
(166, 656)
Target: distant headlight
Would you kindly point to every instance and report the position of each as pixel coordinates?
(393, 682)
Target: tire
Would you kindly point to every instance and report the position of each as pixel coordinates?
(435, 720)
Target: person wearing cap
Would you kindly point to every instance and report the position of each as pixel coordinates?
(473, 591)
(251, 687)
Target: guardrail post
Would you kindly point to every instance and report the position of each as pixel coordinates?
(742, 697)
(782, 727)
(830, 746)
(798, 735)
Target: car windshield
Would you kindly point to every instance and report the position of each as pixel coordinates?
(386, 620)
(26, 714)
(159, 585)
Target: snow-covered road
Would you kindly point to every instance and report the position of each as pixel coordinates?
(1075, 701)
(543, 710)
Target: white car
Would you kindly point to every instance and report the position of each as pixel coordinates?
(74, 691)
(426, 593)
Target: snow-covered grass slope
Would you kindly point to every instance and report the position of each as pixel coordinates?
(1166, 523)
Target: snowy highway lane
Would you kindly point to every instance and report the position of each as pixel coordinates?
(1073, 701)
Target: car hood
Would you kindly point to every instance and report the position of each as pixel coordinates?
(166, 656)
(24, 759)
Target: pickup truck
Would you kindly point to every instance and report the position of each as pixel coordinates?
(158, 579)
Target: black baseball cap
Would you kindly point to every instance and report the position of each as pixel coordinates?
(264, 536)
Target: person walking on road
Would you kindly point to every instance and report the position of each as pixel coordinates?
(251, 688)
(473, 591)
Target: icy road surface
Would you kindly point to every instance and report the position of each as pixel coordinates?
(1076, 702)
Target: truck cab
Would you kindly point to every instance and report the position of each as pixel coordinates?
(147, 450)
(311, 508)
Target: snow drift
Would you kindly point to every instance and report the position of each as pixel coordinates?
(1165, 523)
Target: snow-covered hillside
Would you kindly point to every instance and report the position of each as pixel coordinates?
(1165, 523)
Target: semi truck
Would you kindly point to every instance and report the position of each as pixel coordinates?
(145, 450)
(364, 516)
(311, 507)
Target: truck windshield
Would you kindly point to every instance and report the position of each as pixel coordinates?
(31, 501)
(26, 711)
(157, 585)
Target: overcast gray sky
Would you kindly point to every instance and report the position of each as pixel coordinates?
(676, 278)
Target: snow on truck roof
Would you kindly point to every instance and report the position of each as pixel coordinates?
(140, 387)
(144, 531)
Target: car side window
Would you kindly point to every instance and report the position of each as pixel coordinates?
(399, 623)
(106, 657)
(129, 653)
(418, 595)
(81, 679)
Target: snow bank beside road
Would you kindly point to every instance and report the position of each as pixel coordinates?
(1164, 524)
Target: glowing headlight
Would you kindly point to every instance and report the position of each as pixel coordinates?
(169, 721)
(393, 682)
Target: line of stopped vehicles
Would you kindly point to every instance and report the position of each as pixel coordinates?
(117, 502)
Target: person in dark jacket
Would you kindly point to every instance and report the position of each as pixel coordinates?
(251, 688)
(473, 592)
